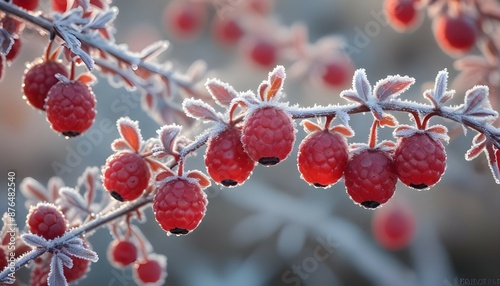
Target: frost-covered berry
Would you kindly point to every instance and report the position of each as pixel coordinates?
(122, 253)
(46, 220)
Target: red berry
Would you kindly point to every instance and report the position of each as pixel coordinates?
(78, 271)
(393, 226)
(185, 19)
(12, 25)
(420, 161)
(150, 270)
(401, 14)
(370, 178)
(46, 220)
(268, 135)
(179, 205)
(59, 5)
(226, 30)
(3, 259)
(122, 253)
(336, 73)
(322, 158)
(262, 52)
(455, 35)
(70, 107)
(39, 275)
(39, 77)
(226, 160)
(14, 50)
(126, 175)
(26, 4)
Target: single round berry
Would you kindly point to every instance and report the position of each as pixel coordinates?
(455, 35)
(78, 271)
(226, 160)
(336, 73)
(226, 30)
(125, 175)
(46, 220)
(370, 178)
(122, 253)
(401, 14)
(420, 161)
(148, 271)
(14, 50)
(39, 77)
(262, 52)
(70, 107)
(179, 206)
(268, 135)
(39, 275)
(393, 226)
(322, 158)
(185, 19)
(26, 4)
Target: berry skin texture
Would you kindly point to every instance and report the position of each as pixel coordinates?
(26, 4)
(148, 271)
(122, 253)
(370, 178)
(38, 79)
(393, 227)
(46, 220)
(179, 206)
(420, 161)
(401, 14)
(125, 175)
(268, 135)
(226, 160)
(455, 35)
(70, 108)
(322, 158)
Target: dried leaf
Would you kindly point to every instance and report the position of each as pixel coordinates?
(198, 109)
(130, 132)
(221, 92)
(310, 126)
(203, 180)
(392, 86)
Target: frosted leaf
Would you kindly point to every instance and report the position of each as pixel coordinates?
(494, 161)
(275, 82)
(78, 250)
(440, 94)
(154, 49)
(203, 180)
(34, 240)
(65, 259)
(167, 135)
(130, 132)
(362, 85)
(344, 118)
(102, 19)
(392, 86)
(6, 41)
(198, 109)
(73, 198)
(56, 274)
(477, 105)
(221, 92)
(33, 190)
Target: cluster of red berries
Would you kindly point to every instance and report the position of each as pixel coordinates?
(49, 222)
(456, 28)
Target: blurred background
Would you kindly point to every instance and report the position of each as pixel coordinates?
(267, 231)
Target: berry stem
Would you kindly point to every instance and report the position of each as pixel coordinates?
(328, 121)
(142, 246)
(72, 71)
(426, 121)
(372, 138)
(418, 122)
(47, 51)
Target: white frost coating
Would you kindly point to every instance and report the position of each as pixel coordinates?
(221, 92)
(134, 124)
(198, 109)
(34, 240)
(392, 86)
(72, 198)
(167, 135)
(56, 275)
(362, 86)
(440, 94)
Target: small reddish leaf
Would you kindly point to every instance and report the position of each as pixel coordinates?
(53, 186)
(480, 137)
(344, 130)
(388, 120)
(392, 86)
(221, 92)
(404, 131)
(276, 80)
(87, 78)
(310, 126)
(203, 180)
(130, 132)
(119, 145)
(438, 132)
(155, 165)
(164, 174)
(167, 135)
(494, 161)
(476, 98)
(55, 54)
(262, 90)
(474, 151)
(32, 189)
(198, 109)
